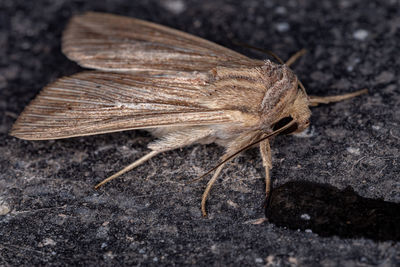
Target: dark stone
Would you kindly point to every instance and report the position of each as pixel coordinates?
(51, 215)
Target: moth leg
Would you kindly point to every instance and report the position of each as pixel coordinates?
(168, 142)
(129, 167)
(295, 57)
(232, 148)
(208, 188)
(265, 150)
(316, 100)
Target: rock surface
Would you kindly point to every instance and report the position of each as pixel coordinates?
(50, 214)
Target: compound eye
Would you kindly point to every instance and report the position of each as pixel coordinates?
(282, 122)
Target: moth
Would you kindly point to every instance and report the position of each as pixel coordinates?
(181, 88)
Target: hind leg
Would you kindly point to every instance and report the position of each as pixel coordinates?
(168, 142)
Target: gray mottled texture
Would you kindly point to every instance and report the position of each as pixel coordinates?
(52, 215)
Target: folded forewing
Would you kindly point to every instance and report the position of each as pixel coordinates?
(115, 43)
(97, 102)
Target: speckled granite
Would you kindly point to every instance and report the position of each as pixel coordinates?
(50, 214)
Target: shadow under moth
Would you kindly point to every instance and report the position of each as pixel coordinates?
(181, 88)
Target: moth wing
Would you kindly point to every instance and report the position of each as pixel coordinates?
(116, 43)
(95, 102)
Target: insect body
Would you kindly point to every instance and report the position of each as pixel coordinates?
(181, 88)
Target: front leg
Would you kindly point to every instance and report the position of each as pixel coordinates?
(316, 100)
(265, 150)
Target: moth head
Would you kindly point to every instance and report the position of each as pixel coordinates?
(285, 99)
(300, 111)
